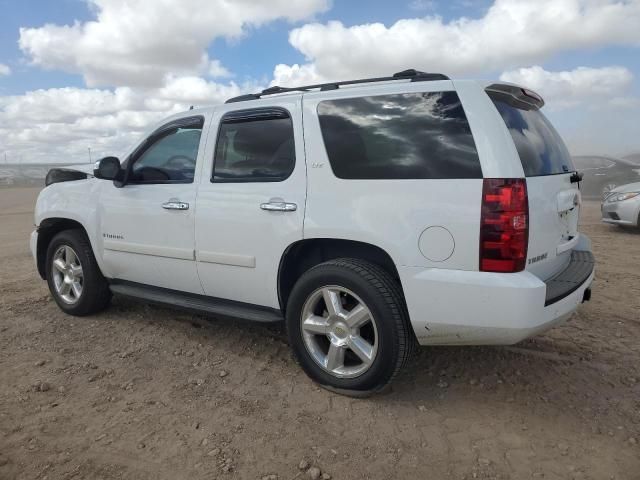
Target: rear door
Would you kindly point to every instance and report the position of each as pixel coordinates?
(251, 200)
(554, 200)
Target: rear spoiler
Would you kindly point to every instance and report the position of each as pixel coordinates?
(515, 96)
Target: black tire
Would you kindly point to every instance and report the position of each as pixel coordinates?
(383, 297)
(95, 294)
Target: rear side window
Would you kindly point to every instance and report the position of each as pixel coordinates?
(405, 136)
(541, 149)
(254, 146)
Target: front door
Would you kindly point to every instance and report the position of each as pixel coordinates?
(251, 200)
(147, 226)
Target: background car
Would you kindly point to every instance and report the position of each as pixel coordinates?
(603, 174)
(622, 206)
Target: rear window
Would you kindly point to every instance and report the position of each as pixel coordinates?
(406, 136)
(541, 149)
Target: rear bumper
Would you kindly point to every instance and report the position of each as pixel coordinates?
(456, 307)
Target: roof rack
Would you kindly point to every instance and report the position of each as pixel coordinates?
(410, 74)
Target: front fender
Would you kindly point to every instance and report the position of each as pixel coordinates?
(76, 201)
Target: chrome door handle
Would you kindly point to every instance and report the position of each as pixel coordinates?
(279, 207)
(175, 205)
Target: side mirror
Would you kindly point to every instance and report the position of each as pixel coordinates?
(108, 169)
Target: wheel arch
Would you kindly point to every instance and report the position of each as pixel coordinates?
(47, 229)
(304, 254)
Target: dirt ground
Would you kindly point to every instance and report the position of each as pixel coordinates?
(145, 392)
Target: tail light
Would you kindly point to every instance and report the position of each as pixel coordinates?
(504, 225)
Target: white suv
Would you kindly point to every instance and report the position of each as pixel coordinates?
(370, 215)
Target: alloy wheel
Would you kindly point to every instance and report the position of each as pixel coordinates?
(67, 274)
(339, 331)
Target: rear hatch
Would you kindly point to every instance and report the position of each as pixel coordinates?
(552, 186)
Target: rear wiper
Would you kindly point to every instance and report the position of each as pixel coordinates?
(576, 177)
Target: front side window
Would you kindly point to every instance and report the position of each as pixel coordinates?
(171, 158)
(400, 136)
(254, 146)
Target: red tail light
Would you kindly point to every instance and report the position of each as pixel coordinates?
(504, 225)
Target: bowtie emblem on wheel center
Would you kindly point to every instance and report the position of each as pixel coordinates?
(339, 332)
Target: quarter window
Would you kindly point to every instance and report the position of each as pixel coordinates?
(405, 136)
(254, 146)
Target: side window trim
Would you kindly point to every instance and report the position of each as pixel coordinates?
(250, 115)
(195, 121)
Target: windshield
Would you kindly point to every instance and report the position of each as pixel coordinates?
(541, 150)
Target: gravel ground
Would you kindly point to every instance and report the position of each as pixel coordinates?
(145, 392)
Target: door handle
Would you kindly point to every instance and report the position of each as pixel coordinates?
(279, 207)
(175, 205)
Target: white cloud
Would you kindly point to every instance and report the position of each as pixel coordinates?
(139, 42)
(625, 103)
(155, 54)
(571, 88)
(511, 33)
(59, 124)
(4, 70)
(217, 70)
(291, 75)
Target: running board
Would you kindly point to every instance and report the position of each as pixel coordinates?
(198, 303)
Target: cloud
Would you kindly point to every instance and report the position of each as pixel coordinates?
(59, 124)
(154, 52)
(592, 107)
(158, 63)
(139, 42)
(4, 70)
(217, 70)
(571, 88)
(512, 33)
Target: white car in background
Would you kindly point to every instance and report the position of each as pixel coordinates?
(370, 215)
(622, 206)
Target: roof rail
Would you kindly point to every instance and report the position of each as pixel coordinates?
(410, 74)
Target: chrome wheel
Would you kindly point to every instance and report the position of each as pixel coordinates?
(339, 332)
(67, 274)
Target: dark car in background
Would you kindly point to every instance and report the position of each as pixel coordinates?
(603, 174)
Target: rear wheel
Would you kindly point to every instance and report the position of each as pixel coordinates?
(348, 326)
(73, 275)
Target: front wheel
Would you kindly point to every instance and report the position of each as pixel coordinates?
(348, 326)
(75, 280)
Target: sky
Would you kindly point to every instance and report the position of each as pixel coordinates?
(95, 74)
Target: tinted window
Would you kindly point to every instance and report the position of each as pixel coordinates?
(541, 150)
(172, 158)
(254, 146)
(413, 135)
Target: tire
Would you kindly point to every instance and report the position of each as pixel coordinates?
(70, 249)
(387, 333)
